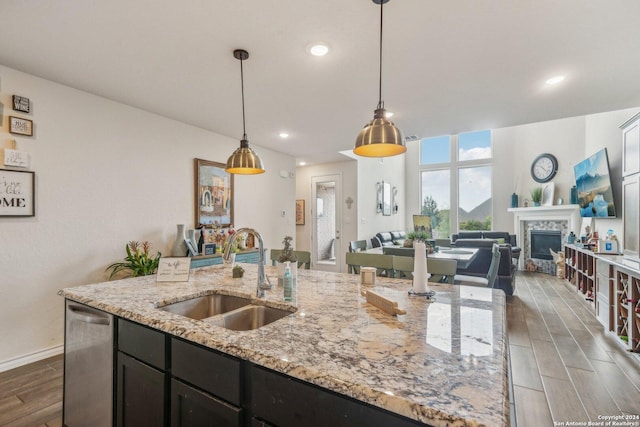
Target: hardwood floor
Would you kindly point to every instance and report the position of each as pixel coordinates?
(31, 395)
(565, 367)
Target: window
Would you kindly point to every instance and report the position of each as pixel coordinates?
(456, 181)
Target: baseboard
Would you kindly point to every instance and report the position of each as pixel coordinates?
(31, 357)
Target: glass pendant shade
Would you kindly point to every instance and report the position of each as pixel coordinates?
(379, 138)
(244, 161)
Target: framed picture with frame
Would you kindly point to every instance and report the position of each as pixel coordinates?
(17, 193)
(299, 212)
(213, 196)
(20, 126)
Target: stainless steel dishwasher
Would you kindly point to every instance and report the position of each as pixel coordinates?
(88, 366)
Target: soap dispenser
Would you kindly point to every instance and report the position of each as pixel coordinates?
(287, 282)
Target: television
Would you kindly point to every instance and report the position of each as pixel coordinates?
(593, 181)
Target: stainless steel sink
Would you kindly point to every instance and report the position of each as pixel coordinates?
(252, 317)
(206, 306)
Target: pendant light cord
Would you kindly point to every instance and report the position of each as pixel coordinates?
(244, 130)
(380, 103)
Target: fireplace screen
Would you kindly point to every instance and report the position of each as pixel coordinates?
(542, 241)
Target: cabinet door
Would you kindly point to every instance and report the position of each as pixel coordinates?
(206, 369)
(140, 394)
(631, 147)
(631, 209)
(191, 407)
(287, 402)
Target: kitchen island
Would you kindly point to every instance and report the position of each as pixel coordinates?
(442, 363)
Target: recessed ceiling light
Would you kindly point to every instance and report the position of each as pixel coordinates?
(388, 114)
(302, 163)
(319, 49)
(283, 135)
(555, 80)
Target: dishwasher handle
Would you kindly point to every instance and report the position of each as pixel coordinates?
(88, 316)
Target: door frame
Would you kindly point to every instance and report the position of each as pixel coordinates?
(337, 266)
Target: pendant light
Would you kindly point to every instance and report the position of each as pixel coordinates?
(380, 137)
(244, 161)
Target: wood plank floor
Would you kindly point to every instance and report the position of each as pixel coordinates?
(31, 395)
(565, 367)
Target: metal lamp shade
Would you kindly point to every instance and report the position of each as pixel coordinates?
(244, 161)
(379, 138)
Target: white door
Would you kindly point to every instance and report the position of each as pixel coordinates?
(326, 223)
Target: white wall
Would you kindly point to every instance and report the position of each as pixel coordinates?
(370, 172)
(106, 174)
(348, 171)
(563, 138)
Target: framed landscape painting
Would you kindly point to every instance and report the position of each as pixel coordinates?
(213, 194)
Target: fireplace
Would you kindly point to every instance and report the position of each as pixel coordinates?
(542, 241)
(563, 218)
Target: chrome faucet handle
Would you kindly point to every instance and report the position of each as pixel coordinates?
(268, 285)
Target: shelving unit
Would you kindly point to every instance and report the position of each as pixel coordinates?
(580, 270)
(605, 285)
(634, 314)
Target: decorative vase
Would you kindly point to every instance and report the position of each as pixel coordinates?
(536, 203)
(191, 235)
(179, 247)
(201, 239)
(514, 200)
(574, 195)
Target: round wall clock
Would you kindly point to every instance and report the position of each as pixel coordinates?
(544, 167)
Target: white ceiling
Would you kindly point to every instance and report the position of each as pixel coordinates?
(449, 66)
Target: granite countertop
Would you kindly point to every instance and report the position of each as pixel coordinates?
(442, 363)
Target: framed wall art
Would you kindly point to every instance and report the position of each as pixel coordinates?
(299, 212)
(20, 126)
(213, 194)
(21, 103)
(17, 193)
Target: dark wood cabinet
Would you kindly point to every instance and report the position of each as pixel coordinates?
(209, 370)
(140, 395)
(192, 407)
(287, 402)
(167, 381)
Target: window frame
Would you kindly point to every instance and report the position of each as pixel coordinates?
(454, 166)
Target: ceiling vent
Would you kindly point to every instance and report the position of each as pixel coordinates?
(411, 138)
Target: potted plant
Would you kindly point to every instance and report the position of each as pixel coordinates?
(536, 196)
(138, 261)
(419, 236)
(237, 272)
(287, 255)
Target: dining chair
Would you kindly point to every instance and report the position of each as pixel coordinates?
(441, 270)
(492, 273)
(382, 263)
(357, 245)
(304, 258)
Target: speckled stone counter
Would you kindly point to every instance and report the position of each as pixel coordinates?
(443, 363)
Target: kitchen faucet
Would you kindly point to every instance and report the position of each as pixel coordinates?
(261, 276)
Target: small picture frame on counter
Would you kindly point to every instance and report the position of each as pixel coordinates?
(209, 249)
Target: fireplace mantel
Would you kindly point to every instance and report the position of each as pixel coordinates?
(568, 213)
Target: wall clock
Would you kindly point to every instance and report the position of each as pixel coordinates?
(544, 167)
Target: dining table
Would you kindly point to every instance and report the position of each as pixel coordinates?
(463, 256)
